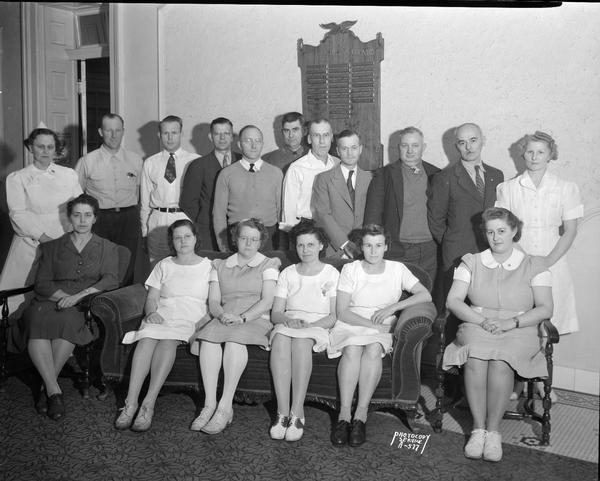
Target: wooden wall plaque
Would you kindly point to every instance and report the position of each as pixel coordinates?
(341, 81)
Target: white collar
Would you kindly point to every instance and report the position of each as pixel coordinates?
(245, 163)
(232, 261)
(548, 180)
(510, 264)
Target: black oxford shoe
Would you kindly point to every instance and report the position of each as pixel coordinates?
(56, 406)
(358, 435)
(339, 436)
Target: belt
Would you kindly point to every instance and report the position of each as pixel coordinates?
(118, 209)
(168, 209)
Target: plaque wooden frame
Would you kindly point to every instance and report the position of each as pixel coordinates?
(341, 81)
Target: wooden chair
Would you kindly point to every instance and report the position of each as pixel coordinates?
(546, 330)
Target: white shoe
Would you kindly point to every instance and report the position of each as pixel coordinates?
(279, 427)
(492, 450)
(474, 448)
(126, 417)
(202, 419)
(295, 430)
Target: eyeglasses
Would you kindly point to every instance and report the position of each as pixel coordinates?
(251, 239)
(251, 141)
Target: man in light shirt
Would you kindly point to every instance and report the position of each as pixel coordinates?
(248, 188)
(112, 175)
(298, 181)
(160, 188)
(197, 190)
(339, 196)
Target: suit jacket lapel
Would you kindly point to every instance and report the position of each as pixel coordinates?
(464, 180)
(398, 185)
(360, 190)
(340, 185)
(490, 185)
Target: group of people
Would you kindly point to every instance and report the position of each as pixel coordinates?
(301, 197)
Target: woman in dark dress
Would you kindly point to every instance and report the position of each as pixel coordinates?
(71, 267)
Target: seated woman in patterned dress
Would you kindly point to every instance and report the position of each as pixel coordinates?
(71, 267)
(303, 312)
(509, 295)
(240, 297)
(175, 307)
(368, 299)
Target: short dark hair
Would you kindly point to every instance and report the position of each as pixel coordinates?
(84, 199)
(58, 145)
(181, 223)
(493, 213)
(308, 226)
(346, 133)
(111, 116)
(374, 229)
(319, 120)
(292, 117)
(219, 121)
(169, 119)
(253, 223)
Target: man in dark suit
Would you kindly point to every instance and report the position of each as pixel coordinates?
(459, 194)
(197, 192)
(339, 195)
(293, 132)
(397, 199)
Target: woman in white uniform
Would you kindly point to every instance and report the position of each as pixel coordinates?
(37, 197)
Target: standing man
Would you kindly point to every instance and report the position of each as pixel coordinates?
(247, 188)
(160, 188)
(197, 191)
(112, 175)
(459, 194)
(339, 196)
(293, 131)
(397, 200)
(298, 181)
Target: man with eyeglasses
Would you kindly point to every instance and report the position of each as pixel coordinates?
(339, 196)
(197, 190)
(248, 188)
(298, 181)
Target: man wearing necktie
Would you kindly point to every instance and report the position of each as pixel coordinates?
(459, 194)
(197, 190)
(397, 199)
(339, 195)
(112, 175)
(247, 188)
(160, 188)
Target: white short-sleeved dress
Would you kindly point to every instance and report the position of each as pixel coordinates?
(370, 292)
(183, 294)
(543, 210)
(307, 298)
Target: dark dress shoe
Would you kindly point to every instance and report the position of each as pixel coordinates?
(41, 403)
(56, 406)
(358, 435)
(339, 436)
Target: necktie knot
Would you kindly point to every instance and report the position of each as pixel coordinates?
(170, 172)
(251, 169)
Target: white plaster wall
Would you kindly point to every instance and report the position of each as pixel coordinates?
(513, 71)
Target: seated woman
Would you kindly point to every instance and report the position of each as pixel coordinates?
(303, 312)
(71, 267)
(239, 300)
(509, 293)
(175, 307)
(368, 298)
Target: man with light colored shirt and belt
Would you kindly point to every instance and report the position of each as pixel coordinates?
(247, 188)
(298, 181)
(197, 190)
(293, 131)
(160, 188)
(397, 200)
(112, 175)
(459, 194)
(339, 196)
